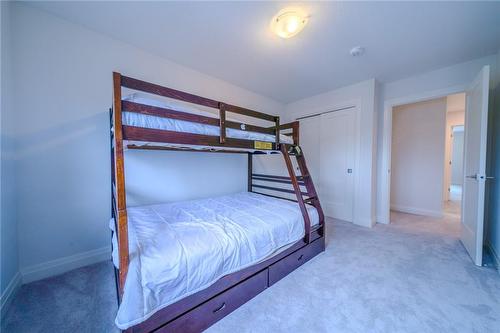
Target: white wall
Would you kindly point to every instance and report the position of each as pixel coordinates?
(62, 84)
(9, 247)
(363, 95)
(159, 176)
(426, 86)
(418, 142)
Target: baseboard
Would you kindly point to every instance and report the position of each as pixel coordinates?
(417, 211)
(62, 265)
(379, 219)
(368, 223)
(9, 292)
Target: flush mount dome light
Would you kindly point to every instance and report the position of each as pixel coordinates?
(288, 22)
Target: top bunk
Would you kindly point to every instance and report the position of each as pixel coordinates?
(151, 116)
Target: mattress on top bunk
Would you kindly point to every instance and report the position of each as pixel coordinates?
(154, 122)
(178, 249)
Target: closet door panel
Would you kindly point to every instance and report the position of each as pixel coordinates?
(337, 144)
(310, 142)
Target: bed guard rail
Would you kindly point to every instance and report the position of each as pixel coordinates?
(142, 134)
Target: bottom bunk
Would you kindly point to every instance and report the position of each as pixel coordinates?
(193, 262)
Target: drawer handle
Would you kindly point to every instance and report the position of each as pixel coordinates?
(300, 258)
(220, 308)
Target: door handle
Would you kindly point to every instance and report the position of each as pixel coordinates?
(481, 177)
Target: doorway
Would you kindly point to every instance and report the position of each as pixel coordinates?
(453, 203)
(454, 153)
(420, 163)
(474, 165)
(424, 134)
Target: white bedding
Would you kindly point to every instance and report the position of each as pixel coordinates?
(177, 249)
(148, 121)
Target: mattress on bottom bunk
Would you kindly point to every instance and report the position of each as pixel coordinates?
(178, 249)
(169, 124)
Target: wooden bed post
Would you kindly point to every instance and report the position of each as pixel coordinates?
(250, 171)
(119, 183)
(277, 134)
(222, 122)
(295, 132)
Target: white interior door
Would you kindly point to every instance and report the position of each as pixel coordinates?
(476, 123)
(337, 157)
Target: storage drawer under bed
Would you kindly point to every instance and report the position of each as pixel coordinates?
(218, 307)
(285, 266)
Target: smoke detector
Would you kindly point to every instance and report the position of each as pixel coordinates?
(357, 51)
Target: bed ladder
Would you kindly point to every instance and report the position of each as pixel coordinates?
(305, 177)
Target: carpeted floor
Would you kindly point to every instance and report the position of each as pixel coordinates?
(410, 276)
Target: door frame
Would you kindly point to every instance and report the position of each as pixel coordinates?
(389, 105)
(354, 104)
(451, 152)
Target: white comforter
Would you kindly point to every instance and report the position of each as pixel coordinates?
(180, 248)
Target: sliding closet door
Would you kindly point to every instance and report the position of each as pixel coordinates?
(337, 156)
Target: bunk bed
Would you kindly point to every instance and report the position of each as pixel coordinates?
(182, 266)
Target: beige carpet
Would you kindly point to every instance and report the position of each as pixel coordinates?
(410, 276)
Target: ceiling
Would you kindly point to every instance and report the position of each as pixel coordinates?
(232, 40)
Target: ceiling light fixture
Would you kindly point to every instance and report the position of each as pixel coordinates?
(288, 22)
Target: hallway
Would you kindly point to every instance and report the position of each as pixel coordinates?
(453, 206)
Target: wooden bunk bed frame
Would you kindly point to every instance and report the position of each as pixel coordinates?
(200, 310)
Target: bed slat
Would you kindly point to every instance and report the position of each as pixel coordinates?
(283, 181)
(277, 189)
(152, 88)
(299, 178)
(155, 135)
(248, 112)
(150, 110)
